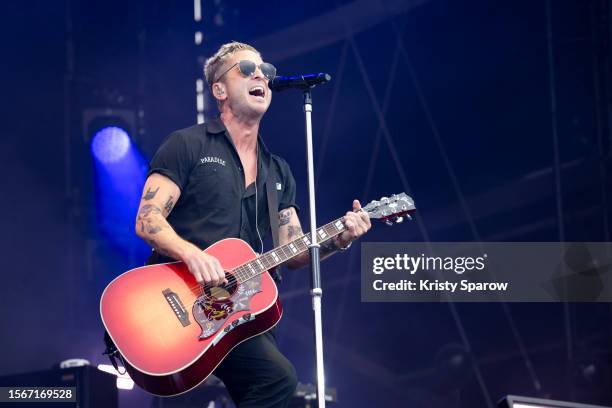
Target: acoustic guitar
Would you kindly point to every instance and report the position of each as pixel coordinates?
(172, 332)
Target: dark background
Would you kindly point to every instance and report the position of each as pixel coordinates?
(493, 115)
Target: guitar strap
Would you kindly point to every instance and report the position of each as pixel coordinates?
(271, 183)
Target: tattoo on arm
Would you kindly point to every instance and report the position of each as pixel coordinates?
(328, 247)
(294, 231)
(150, 194)
(284, 217)
(169, 205)
(146, 211)
(146, 219)
(154, 229)
(152, 221)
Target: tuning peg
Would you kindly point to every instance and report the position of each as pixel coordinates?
(388, 222)
(399, 220)
(409, 217)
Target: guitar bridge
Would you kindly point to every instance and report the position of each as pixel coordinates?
(177, 307)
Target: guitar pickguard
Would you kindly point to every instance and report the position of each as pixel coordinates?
(212, 313)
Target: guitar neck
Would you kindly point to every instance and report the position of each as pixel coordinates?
(284, 253)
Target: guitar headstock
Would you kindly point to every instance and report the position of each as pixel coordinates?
(391, 210)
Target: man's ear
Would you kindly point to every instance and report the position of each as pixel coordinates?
(218, 89)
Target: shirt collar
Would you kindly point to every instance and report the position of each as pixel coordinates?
(216, 126)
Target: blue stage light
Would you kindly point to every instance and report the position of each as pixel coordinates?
(110, 144)
(119, 175)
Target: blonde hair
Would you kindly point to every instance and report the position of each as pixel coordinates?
(216, 62)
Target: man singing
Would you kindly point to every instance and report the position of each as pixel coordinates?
(207, 183)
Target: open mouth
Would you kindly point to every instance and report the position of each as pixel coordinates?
(258, 91)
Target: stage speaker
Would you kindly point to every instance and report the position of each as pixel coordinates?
(94, 388)
(515, 401)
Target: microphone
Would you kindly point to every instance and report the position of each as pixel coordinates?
(281, 83)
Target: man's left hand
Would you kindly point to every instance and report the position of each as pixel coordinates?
(357, 223)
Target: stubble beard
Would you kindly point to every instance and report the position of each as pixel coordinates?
(246, 110)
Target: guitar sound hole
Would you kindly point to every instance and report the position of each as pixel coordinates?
(224, 291)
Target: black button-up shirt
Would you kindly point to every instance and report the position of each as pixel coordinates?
(214, 203)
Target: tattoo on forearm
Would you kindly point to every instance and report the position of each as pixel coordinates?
(169, 205)
(284, 217)
(154, 229)
(146, 211)
(328, 247)
(150, 194)
(294, 231)
(151, 225)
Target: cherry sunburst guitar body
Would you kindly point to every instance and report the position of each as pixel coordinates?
(172, 332)
(142, 311)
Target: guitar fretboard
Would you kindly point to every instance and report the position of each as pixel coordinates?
(286, 252)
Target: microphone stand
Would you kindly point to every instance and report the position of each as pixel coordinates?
(316, 292)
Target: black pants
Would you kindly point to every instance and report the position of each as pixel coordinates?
(256, 374)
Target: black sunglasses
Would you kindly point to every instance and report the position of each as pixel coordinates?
(247, 68)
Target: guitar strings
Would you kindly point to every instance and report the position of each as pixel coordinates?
(208, 286)
(245, 277)
(330, 235)
(202, 288)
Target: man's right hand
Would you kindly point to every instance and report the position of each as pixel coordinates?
(205, 268)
